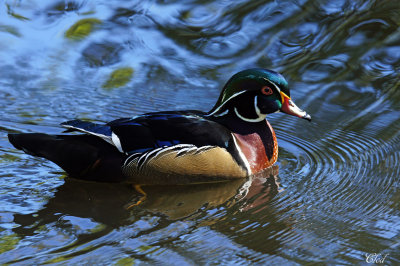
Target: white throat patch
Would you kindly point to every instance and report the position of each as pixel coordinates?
(260, 117)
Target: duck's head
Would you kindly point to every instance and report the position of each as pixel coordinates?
(253, 93)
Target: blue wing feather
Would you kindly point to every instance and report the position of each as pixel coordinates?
(88, 127)
(165, 129)
(154, 130)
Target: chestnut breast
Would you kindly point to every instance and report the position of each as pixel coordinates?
(259, 148)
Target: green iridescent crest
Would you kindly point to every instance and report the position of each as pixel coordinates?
(251, 80)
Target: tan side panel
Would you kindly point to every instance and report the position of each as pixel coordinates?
(211, 165)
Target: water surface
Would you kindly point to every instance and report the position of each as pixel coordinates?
(333, 196)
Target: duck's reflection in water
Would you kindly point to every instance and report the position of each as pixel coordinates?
(114, 204)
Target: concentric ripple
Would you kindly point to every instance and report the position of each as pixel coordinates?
(342, 158)
(345, 177)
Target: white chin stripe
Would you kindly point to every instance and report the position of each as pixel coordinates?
(260, 117)
(258, 112)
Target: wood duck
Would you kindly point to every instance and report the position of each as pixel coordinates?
(233, 140)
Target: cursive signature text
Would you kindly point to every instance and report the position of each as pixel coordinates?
(377, 258)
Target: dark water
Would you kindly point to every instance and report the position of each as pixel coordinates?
(334, 195)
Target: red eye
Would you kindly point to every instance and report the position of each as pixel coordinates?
(267, 90)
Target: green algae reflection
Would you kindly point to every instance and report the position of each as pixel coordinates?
(8, 242)
(15, 15)
(119, 78)
(125, 262)
(82, 28)
(10, 29)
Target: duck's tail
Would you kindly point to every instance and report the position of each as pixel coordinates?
(82, 156)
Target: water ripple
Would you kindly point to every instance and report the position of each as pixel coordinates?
(342, 168)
